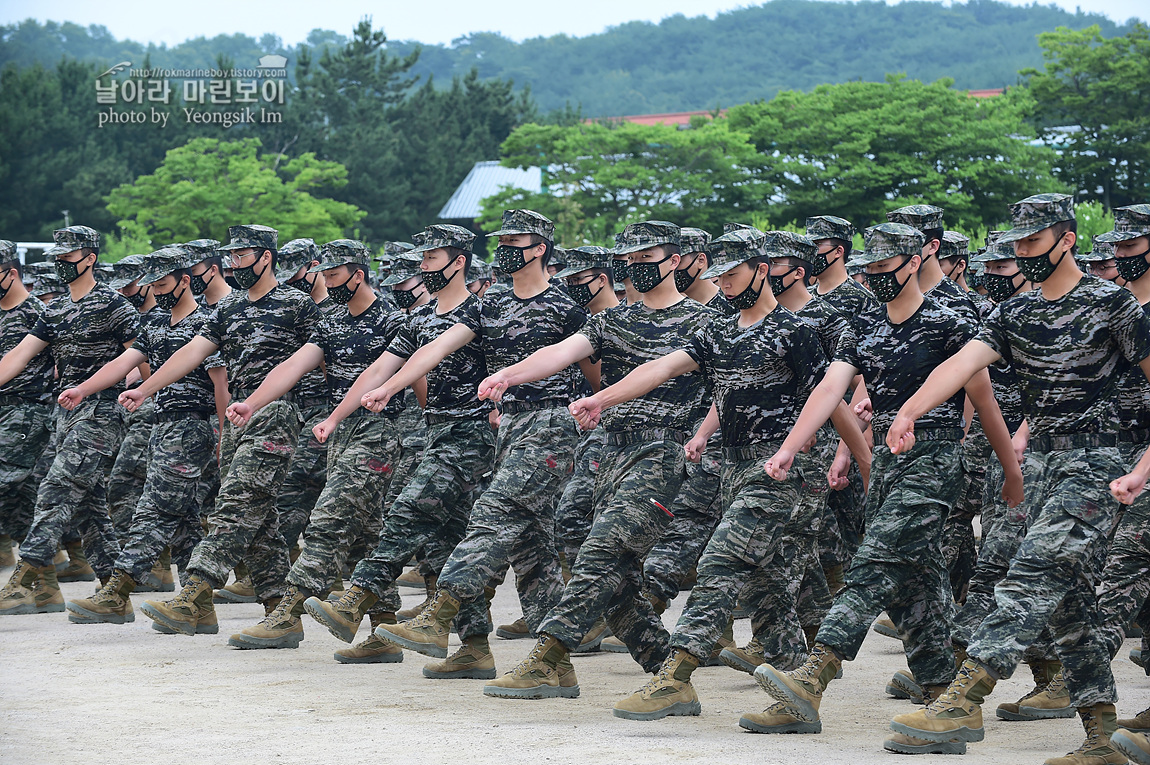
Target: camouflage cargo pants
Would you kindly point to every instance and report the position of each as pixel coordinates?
(899, 565)
(1051, 577)
(814, 596)
(360, 459)
(958, 545)
(244, 524)
(606, 578)
(844, 525)
(513, 521)
(305, 478)
(697, 510)
(576, 505)
(169, 504)
(130, 470)
(74, 492)
(25, 429)
(207, 489)
(756, 536)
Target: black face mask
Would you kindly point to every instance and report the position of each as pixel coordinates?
(684, 279)
(303, 285)
(231, 282)
(138, 299)
(1133, 267)
(886, 287)
(777, 287)
(4, 290)
(1038, 268)
(341, 293)
(167, 300)
(69, 271)
(247, 277)
(405, 298)
(199, 285)
(748, 297)
(646, 276)
(582, 294)
(508, 259)
(819, 262)
(999, 287)
(620, 270)
(436, 281)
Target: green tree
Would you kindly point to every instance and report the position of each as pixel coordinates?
(601, 176)
(860, 148)
(207, 185)
(1091, 96)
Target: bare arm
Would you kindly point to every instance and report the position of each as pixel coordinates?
(1127, 488)
(639, 382)
(105, 377)
(821, 404)
(543, 363)
(16, 359)
(427, 358)
(372, 377)
(278, 382)
(592, 371)
(980, 392)
(707, 428)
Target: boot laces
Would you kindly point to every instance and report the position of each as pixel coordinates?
(110, 592)
(810, 669)
(949, 697)
(14, 581)
(1056, 684)
(281, 613)
(533, 661)
(350, 600)
(187, 594)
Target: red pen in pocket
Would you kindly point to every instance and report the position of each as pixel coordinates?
(657, 504)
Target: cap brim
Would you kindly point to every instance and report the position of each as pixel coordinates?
(119, 283)
(155, 276)
(394, 279)
(721, 268)
(572, 270)
(58, 250)
(627, 249)
(1095, 257)
(1014, 234)
(513, 232)
(990, 257)
(1120, 236)
(865, 258)
(329, 265)
(237, 246)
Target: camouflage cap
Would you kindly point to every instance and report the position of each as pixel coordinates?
(854, 269)
(342, 252)
(1100, 251)
(203, 248)
(1037, 213)
(391, 250)
(251, 236)
(954, 245)
(293, 256)
(525, 222)
(558, 257)
(730, 226)
(788, 244)
(47, 283)
(442, 235)
(103, 272)
(693, 240)
(584, 258)
(1130, 222)
(829, 227)
(164, 261)
(402, 268)
(480, 270)
(71, 239)
(735, 247)
(126, 270)
(889, 240)
(7, 250)
(647, 234)
(995, 250)
(922, 217)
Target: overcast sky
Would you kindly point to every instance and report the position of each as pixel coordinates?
(439, 21)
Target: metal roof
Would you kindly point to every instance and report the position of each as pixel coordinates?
(484, 180)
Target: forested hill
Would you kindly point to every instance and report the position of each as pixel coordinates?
(679, 64)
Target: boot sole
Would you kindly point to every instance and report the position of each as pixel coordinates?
(900, 688)
(383, 658)
(885, 631)
(539, 692)
(181, 628)
(509, 635)
(1034, 713)
(427, 649)
(201, 629)
(80, 615)
(1120, 741)
(222, 596)
(942, 736)
(736, 662)
(321, 616)
(945, 747)
(770, 680)
(795, 727)
(678, 709)
(247, 642)
(612, 648)
(25, 609)
(460, 674)
(592, 647)
(76, 578)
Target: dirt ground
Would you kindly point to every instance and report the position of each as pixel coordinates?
(126, 694)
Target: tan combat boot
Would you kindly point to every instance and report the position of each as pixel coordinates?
(373, 650)
(1139, 723)
(280, 628)
(411, 613)
(668, 693)
(885, 627)
(904, 744)
(31, 590)
(342, 617)
(1050, 703)
(412, 580)
(426, 633)
(110, 605)
(1100, 723)
(801, 690)
(159, 579)
(594, 637)
(546, 673)
(777, 719)
(746, 659)
(239, 591)
(613, 645)
(956, 715)
(77, 569)
(190, 612)
(1043, 672)
(473, 661)
(1132, 744)
(7, 552)
(517, 630)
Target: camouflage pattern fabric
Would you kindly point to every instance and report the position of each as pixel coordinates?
(168, 506)
(21, 521)
(721, 305)
(899, 565)
(255, 237)
(130, 470)
(244, 524)
(306, 476)
(851, 300)
(1036, 213)
(25, 430)
(959, 550)
(525, 222)
(576, 507)
(948, 294)
(922, 217)
(74, 492)
(86, 334)
(1051, 578)
(36, 381)
(645, 235)
(756, 536)
(606, 577)
(1134, 398)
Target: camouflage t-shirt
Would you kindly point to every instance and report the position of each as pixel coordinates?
(1134, 396)
(762, 374)
(453, 386)
(949, 294)
(158, 340)
(254, 337)
(36, 381)
(87, 334)
(982, 304)
(312, 385)
(1006, 393)
(896, 359)
(828, 323)
(627, 336)
(511, 329)
(851, 300)
(1068, 353)
(351, 344)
